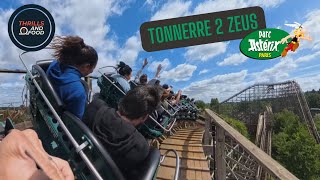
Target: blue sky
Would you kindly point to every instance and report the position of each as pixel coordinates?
(202, 72)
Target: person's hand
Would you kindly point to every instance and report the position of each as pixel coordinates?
(179, 92)
(22, 151)
(145, 62)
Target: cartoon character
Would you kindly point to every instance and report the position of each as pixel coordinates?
(298, 33)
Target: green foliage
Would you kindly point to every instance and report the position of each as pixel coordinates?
(294, 147)
(214, 104)
(313, 98)
(238, 125)
(200, 104)
(317, 121)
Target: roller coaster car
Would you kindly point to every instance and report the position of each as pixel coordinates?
(65, 136)
(5, 128)
(110, 90)
(187, 109)
(159, 122)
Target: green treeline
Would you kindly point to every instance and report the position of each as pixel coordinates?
(313, 98)
(214, 106)
(294, 147)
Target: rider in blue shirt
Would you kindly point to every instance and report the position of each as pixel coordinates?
(75, 59)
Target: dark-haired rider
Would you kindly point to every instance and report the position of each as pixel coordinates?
(75, 59)
(116, 129)
(125, 73)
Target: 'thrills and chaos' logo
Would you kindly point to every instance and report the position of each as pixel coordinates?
(31, 27)
(263, 44)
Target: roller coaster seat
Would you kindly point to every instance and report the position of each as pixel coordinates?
(5, 128)
(133, 85)
(109, 91)
(148, 169)
(57, 143)
(150, 130)
(112, 95)
(54, 138)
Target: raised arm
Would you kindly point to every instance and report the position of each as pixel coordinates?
(145, 62)
(284, 40)
(306, 38)
(158, 71)
(178, 95)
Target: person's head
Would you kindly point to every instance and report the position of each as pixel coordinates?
(139, 103)
(125, 70)
(71, 50)
(143, 79)
(157, 83)
(165, 86)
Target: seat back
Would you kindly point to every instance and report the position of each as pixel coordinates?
(150, 129)
(133, 85)
(54, 138)
(148, 169)
(111, 94)
(109, 90)
(92, 147)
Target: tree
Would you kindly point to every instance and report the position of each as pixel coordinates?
(200, 104)
(236, 124)
(313, 99)
(294, 147)
(214, 104)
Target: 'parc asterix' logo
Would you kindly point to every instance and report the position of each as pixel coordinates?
(263, 44)
(31, 27)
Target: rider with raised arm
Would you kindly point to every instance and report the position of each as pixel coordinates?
(156, 76)
(143, 79)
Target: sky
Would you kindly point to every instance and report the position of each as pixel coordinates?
(216, 70)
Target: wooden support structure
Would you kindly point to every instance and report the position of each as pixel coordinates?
(220, 163)
(262, 159)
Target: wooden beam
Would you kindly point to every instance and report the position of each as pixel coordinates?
(221, 170)
(263, 159)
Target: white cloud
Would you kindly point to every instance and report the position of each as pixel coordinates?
(154, 65)
(308, 57)
(218, 5)
(172, 9)
(130, 51)
(279, 72)
(265, 3)
(204, 71)
(209, 6)
(152, 4)
(312, 26)
(182, 72)
(9, 52)
(219, 86)
(309, 83)
(206, 51)
(234, 59)
(88, 19)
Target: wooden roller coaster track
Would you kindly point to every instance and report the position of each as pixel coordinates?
(187, 141)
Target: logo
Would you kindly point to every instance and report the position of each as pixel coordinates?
(201, 29)
(31, 27)
(263, 44)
